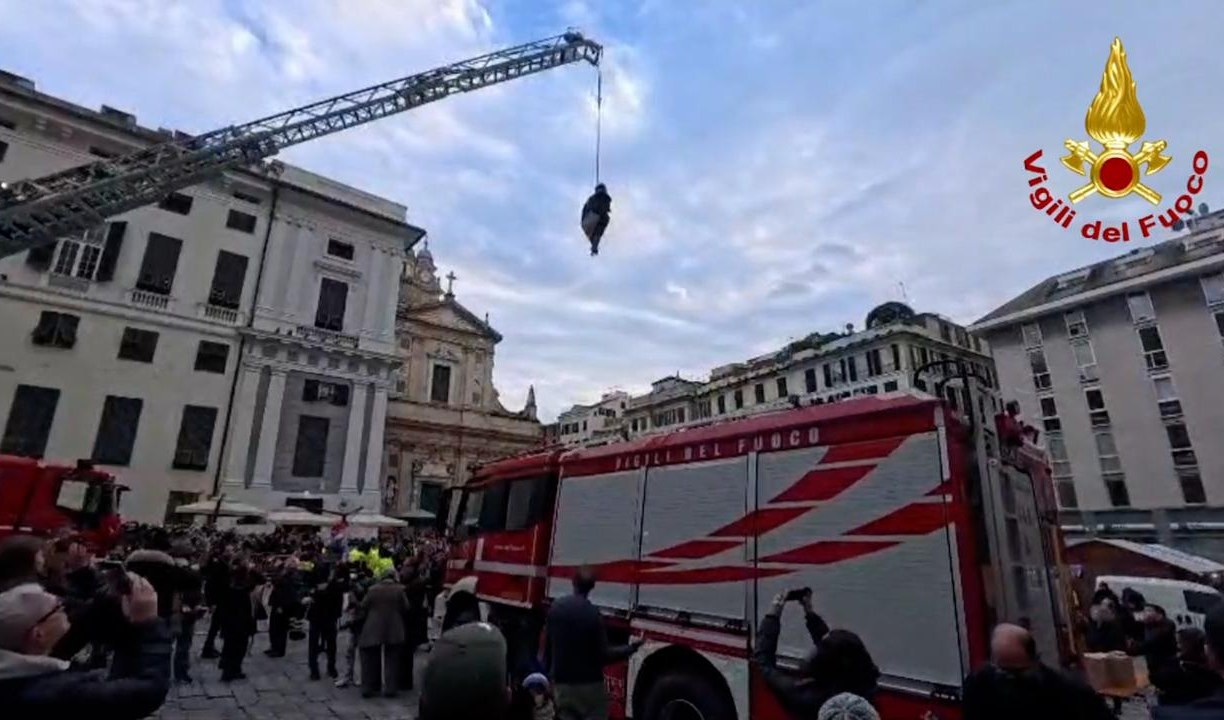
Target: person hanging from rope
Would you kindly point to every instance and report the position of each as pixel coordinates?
(595, 215)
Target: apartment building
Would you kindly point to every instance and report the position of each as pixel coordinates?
(236, 336)
(820, 368)
(1120, 363)
(594, 423)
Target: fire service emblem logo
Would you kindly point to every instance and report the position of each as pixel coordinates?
(1116, 121)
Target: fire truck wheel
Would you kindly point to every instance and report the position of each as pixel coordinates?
(688, 696)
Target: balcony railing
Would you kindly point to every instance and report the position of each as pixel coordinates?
(222, 314)
(150, 299)
(327, 337)
(68, 282)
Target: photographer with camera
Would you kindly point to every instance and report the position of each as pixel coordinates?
(839, 663)
(34, 684)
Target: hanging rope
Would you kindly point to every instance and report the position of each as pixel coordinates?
(598, 117)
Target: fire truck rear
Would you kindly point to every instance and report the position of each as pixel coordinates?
(915, 527)
(48, 499)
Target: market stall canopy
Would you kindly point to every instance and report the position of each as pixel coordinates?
(375, 520)
(227, 508)
(417, 514)
(298, 516)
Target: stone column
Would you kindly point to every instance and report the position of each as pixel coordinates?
(269, 428)
(352, 443)
(239, 443)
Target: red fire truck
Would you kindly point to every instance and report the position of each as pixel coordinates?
(45, 499)
(914, 527)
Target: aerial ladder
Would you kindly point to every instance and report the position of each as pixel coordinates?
(39, 211)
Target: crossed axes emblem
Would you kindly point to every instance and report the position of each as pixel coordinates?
(1150, 153)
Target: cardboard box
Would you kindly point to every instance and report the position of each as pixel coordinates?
(1116, 673)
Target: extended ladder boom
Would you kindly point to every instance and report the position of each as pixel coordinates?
(39, 211)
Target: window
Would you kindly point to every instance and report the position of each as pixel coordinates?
(1179, 437)
(722, 404)
(1041, 372)
(66, 261)
(873, 363)
(945, 332)
(1107, 452)
(1153, 348)
(1049, 414)
(1191, 486)
(1077, 325)
(1140, 305)
(1060, 464)
(679, 414)
(211, 357)
(1032, 335)
(1115, 485)
(1085, 359)
(439, 388)
(809, 380)
(310, 450)
(1096, 407)
(1166, 397)
(176, 203)
(890, 386)
(758, 392)
(519, 504)
(159, 265)
(117, 430)
(1067, 499)
(896, 356)
(782, 387)
(924, 355)
(55, 330)
(3, 150)
(320, 391)
(110, 251)
(1213, 288)
(739, 399)
(851, 369)
(195, 438)
(828, 375)
(228, 278)
(333, 297)
(29, 421)
(340, 249)
(138, 345)
(240, 221)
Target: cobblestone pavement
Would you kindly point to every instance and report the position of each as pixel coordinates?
(278, 689)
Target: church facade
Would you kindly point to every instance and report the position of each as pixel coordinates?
(443, 413)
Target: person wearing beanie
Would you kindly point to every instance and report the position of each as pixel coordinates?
(466, 675)
(540, 693)
(847, 706)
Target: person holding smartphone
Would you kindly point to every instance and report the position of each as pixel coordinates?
(839, 663)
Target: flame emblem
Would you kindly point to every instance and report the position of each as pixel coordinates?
(1115, 120)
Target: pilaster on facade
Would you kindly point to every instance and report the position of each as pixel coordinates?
(352, 443)
(242, 421)
(269, 429)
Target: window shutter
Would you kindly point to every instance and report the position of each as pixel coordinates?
(40, 257)
(110, 252)
(67, 330)
(228, 279)
(160, 262)
(340, 395)
(310, 391)
(44, 332)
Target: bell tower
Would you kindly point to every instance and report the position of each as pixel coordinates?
(420, 284)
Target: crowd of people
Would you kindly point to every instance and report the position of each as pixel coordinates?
(108, 636)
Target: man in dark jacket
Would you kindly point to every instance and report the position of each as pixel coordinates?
(839, 662)
(1159, 646)
(1017, 686)
(216, 582)
(1212, 707)
(35, 685)
(595, 215)
(1190, 678)
(326, 603)
(576, 650)
(283, 604)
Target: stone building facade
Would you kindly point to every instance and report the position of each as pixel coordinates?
(444, 415)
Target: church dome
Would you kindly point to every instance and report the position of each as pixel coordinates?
(424, 255)
(888, 313)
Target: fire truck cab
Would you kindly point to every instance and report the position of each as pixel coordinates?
(46, 499)
(915, 527)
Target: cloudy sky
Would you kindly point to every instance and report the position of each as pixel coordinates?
(776, 167)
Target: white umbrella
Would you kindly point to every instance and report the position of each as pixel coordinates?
(375, 520)
(417, 514)
(297, 516)
(228, 508)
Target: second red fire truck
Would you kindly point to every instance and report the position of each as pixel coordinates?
(914, 527)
